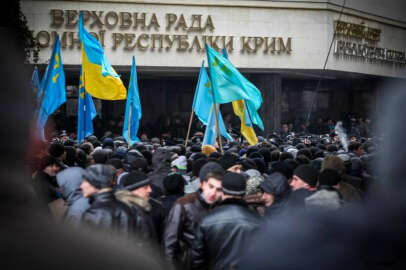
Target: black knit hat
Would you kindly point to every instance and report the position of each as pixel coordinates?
(329, 177)
(229, 159)
(134, 180)
(210, 168)
(307, 173)
(99, 175)
(234, 184)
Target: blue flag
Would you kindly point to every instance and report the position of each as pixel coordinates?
(229, 84)
(86, 111)
(240, 109)
(210, 133)
(53, 85)
(203, 102)
(203, 98)
(133, 112)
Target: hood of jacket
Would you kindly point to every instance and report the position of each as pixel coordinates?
(130, 199)
(69, 180)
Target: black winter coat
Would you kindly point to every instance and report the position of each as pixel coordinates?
(223, 235)
(143, 225)
(45, 187)
(181, 224)
(106, 213)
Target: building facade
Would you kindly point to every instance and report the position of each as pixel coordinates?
(283, 47)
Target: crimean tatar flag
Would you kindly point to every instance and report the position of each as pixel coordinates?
(133, 111)
(53, 87)
(241, 110)
(86, 112)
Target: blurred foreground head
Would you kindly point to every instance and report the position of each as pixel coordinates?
(24, 229)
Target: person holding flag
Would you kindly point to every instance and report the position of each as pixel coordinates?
(133, 112)
(52, 87)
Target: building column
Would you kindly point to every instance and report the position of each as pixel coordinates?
(271, 89)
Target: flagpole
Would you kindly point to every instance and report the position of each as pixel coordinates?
(129, 126)
(217, 127)
(190, 125)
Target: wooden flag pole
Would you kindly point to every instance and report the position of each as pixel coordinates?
(190, 125)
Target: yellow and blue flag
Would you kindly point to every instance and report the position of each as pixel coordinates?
(241, 110)
(229, 84)
(133, 111)
(203, 103)
(53, 85)
(101, 80)
(86, 112)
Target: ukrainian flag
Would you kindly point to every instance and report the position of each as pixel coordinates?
(100, 79)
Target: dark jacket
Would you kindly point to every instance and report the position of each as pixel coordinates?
(297, 198)
(106, 213)
(161, 162)
(168, 201)
(143, 225)
(180, 228)
(45, 187)
(223, 235)
(158, 217)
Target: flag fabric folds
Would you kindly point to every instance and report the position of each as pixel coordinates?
(203, 103)
(210, 134)
(86, 112)
(241, 110)
(229, 84)
(133, 112)
(53, 85)
(246, 130)
(203, 98)
(101, 80)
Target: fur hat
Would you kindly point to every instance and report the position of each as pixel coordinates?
(99, 175)
(275, 184)
(134, 180)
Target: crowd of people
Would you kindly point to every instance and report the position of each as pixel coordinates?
(196, 206)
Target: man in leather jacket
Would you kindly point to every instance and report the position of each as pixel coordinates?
(106, 213)
(186, 214)
(224, 233)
